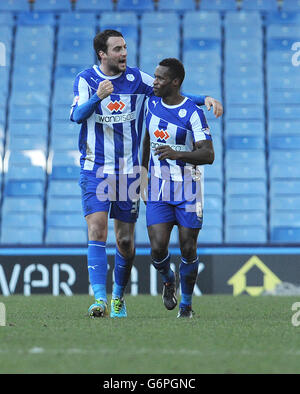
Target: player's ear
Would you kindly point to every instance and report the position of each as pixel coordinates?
(176, 82)
(101, 54)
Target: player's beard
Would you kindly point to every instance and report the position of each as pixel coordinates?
(115, 67)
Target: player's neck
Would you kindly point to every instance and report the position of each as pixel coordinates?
(107, 71)
(173, 99)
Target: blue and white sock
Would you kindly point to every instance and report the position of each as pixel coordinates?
(97, 267)
(188, 271)
(122, 274)
(163, 267)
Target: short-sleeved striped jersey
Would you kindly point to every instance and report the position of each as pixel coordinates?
(178, 126)
(110, 137)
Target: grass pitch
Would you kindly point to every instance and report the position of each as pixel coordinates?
(47, 334)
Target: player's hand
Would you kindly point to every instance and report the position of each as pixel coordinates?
(105, 88)
(166, 152)
(217, 106)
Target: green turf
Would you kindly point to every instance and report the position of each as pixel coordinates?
(46, 334)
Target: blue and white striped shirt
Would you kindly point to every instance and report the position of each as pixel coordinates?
(110, 137)
(178, 126)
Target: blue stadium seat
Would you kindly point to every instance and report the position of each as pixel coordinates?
(79, 19)
(286, 202)
(66, 127)
(243, 18)
(251, 128)
(244, 32)
(119, 18)
(22, 236)
(245, 203)
(245, 142)
(25, 158)
(284, 142)
(31, 173)
(254, 112)
(65, 172)
(284, 97)
(244, 97)
(33, 58)
(84, 32)
(36, 18)
(245, 157)
(6, 19)
(278, 57)
(213, 187)
(65, 158)
(286, 218)
(159, 18)
(203, 31)
(19, 97)
(14, 5)
(262, 5)
(246, 171)
(286, 18)
(238, 45)
(283, 31)
(280, 44)
(284, 186)
(285, 234)
(213, 202)
(210, 235)
(61, 112)
(246, 187)
(24, 188)
(66, 220)
(177, 5)
(245, 234)
(17, 204)
(284, 112)
(64, 205)
(203, 57)
(280, 156)
(64, 142)
(201, 17)
(94, 5)
(135, 5)
(195, 44)
(250, 218)
(75, 57)
(212, 218)
(284, 172)
(64, 188)
(20, 143)
(23, 219)
(56, 236)
(220, 5)
(52, 5)
(153, 32)
(291, 5)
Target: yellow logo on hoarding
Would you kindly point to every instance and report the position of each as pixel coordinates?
(239, 279)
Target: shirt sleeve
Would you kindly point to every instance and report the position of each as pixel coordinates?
(198, 100)
(147, 84)
(83, 105)
(199, 126)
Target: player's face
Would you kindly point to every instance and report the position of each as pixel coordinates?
(162, 85)
(116, 55)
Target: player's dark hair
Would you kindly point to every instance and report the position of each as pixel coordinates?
(100, 40)
(176, 69)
